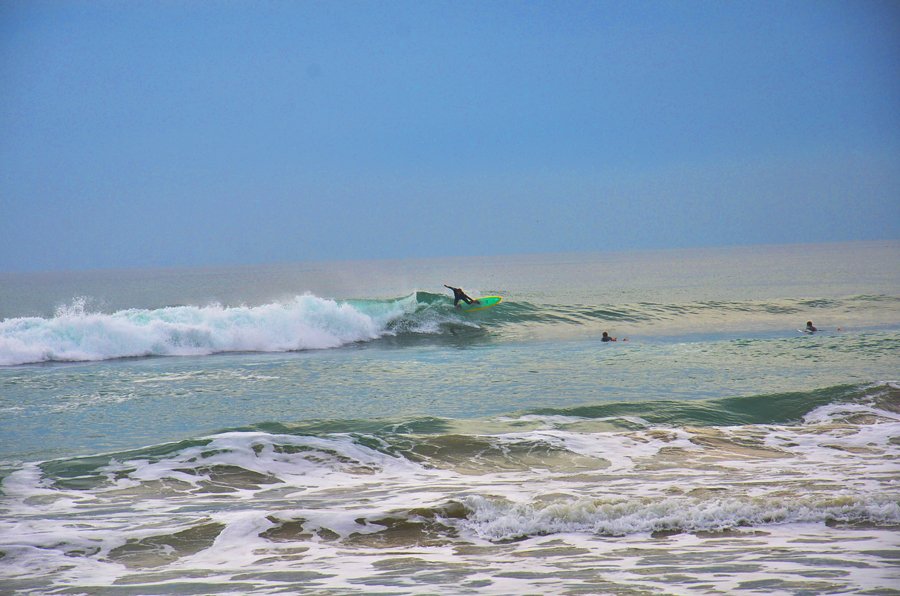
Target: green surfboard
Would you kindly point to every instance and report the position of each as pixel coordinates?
(483, 303)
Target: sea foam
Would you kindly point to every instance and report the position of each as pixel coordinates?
(303, 323)
(497, 519)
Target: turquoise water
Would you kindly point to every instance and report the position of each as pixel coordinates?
(341, 427)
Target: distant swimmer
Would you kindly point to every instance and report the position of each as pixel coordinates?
(458, 295)
(606, 337)
(810, 328)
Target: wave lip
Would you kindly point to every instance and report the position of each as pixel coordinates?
(303, 323)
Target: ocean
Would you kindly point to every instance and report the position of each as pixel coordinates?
(339, 427)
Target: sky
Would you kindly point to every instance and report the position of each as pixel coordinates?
(172, 133)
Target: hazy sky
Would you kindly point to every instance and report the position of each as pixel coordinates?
(178, 133)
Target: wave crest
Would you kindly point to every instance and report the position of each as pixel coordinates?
(302, 323)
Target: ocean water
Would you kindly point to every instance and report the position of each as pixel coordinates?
(335, 428)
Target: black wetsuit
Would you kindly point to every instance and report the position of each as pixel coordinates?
(458, 295)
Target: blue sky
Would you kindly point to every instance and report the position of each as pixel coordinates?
(140, 134)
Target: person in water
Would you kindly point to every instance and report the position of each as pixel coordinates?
(458, 295)
(606, 337)
(810, 328)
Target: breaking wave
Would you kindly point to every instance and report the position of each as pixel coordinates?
(305, 322)
(308, 322)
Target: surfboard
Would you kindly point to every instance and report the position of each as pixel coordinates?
(483, 303)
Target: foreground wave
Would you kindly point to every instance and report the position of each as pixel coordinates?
(298, 508)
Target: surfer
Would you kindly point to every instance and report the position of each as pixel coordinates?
(458, 295)
(606, 337)
(810, 328)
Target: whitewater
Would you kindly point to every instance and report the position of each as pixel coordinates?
(304, 323)
(342, 428)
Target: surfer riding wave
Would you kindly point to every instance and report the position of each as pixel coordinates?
(458, 295)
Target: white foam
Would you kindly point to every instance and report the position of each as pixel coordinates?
(496, 519)
(319, 463)
(621, 450)
(305, 322)
(342, 486)
(837, 412)
(552, 421)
